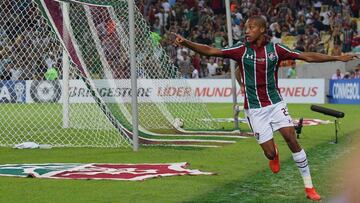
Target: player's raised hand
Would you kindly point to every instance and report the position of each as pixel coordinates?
(178, 39)
(348, 57)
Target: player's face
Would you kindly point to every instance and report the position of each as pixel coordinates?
(253, 30)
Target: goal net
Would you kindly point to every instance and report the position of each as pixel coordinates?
(65, 76)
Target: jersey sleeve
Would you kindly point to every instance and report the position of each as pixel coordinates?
(285, 53)
(234, 52)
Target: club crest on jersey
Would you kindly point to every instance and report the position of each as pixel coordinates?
(271, 56)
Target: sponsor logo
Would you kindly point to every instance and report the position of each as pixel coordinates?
(98, 171)
(12, 91)
(45, 91)
(19, 89)
(349, 91)
(344, 91)
(299, 91)
(204, 90)
(248, 56)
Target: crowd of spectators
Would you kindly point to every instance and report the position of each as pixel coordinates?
(27, 50)
(204, 21)
(353, 74)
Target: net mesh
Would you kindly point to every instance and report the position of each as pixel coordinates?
(30, 104)
(108, 43)
(31, 69)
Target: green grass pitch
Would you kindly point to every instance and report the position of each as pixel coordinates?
(242, 170)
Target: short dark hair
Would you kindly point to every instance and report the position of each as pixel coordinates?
(261, 21)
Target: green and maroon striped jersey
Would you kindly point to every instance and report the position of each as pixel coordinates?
(259, 68)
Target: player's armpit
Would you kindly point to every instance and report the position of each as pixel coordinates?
(238, 75)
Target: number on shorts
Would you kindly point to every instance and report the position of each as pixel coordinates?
(285, 112)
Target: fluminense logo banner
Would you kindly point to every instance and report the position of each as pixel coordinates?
(98, 171)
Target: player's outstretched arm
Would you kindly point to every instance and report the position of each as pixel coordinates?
(200, 48)
(317, 57)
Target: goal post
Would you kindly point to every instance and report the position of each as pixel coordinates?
(107, 27)
(134, 101)
(31, 104)
(65, 71)
(88, 103)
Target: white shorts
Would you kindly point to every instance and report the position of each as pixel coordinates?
(266, 120)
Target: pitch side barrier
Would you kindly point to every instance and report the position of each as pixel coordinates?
(292, 90)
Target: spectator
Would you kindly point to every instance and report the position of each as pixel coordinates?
(357, 72)
(354, 27)
(196, 62)
(352, 75)
(300, 43)
(347, 75)
(50, 60)
(325, 15)
(185, 67)
(336, 51)
(155, 39)
(163, 19)
(3, 37)
(204, 39)
(347, 39)
(220, 63)
(4, 65)
(156, 27)
(217, 6)
(317, 5)
(166, 5)
(211, 67)
(16, 70)
(219, 40)
(238, 32)
(289, 22)
(195, 74)
(317, 23)
(338, 75)
(203, 67)
(291, 73)
(337, 20)
(354, 4)
(180, 53)
(276, 33)
(226, 66)
(300, 25)
(237, 16)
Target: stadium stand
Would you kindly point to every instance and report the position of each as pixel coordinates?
(319, 26)
(324, 26)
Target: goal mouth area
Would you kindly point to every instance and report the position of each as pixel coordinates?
(86, 44)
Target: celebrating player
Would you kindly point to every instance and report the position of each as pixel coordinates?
(258, 60)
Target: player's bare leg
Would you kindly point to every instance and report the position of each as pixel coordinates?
(300, 159)
(289, 135)
(271, 152)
